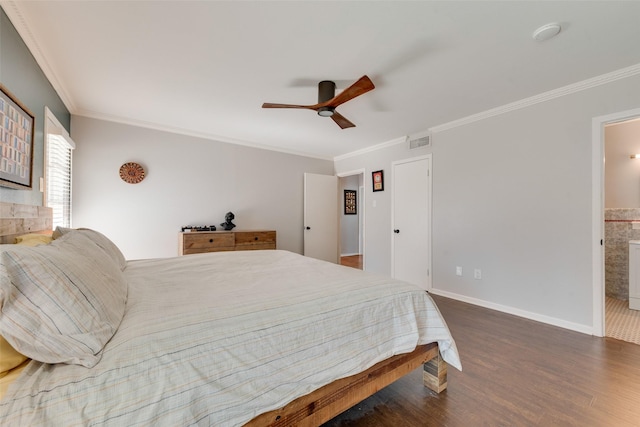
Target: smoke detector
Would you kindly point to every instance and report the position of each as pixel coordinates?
(547, 32)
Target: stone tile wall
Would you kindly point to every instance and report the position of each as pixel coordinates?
(618, 223)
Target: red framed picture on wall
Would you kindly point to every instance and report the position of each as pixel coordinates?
(378, 180)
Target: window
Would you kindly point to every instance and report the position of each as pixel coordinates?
(58, 147)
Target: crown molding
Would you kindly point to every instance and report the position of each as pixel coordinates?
(383, 145)
(543, 97)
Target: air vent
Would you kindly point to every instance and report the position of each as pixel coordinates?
(418, 142)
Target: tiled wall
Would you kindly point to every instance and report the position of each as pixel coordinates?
(618, 223)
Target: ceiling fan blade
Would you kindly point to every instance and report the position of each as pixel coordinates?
(363, 85)
(270, 105)
(342, 121)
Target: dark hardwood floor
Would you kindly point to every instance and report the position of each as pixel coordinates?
(516, 372)
(354, 261)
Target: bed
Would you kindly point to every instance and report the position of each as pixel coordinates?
(242, 338)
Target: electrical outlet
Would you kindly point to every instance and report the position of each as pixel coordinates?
(458, 271)
(477, 274)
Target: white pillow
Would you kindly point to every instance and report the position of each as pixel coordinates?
(62, 302)
(100, 239)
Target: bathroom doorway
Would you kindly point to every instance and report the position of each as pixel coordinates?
(621, 224)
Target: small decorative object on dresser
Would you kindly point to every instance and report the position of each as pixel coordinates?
(217, 241)
(227, 224)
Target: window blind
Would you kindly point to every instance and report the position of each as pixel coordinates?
(58, 182)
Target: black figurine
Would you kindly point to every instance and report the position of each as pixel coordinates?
(227, 224)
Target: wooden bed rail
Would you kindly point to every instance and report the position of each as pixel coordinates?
(327, 402)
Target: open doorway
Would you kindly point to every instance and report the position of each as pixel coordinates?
(351, 192)
(621, 226)
(613, 219)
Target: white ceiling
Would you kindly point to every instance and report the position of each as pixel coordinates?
(205, 67)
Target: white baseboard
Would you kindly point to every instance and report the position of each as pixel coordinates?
(350, 254)
(516, 312)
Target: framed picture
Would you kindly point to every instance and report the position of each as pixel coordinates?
(16, 142)
(350, 203)
(378, 180)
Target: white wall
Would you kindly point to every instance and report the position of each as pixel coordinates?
(511, 196)
(622, 174)
(190, 181)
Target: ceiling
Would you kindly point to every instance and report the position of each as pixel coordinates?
(204, 68)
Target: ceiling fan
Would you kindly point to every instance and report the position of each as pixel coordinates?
(328, 101)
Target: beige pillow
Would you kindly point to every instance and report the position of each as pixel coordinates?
(9, 357)
(33, 239)
(62, 302)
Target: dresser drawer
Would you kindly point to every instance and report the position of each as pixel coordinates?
(216, 241)
(248, 240)
(195, 243)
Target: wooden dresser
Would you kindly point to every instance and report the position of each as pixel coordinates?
(197, 242)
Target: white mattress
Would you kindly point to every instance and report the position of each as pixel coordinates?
(216, 339)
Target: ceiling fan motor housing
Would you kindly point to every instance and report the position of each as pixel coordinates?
(326, 91)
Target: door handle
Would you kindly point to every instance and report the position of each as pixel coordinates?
(396, 231)
(307, 228)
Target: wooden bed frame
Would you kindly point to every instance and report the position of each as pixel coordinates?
(18, 219)
(313, 409)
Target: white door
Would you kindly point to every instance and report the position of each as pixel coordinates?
(321, 217)
(411, 221)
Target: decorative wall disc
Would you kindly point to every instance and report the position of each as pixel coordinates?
(131, 173)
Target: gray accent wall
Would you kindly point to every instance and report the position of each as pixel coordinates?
(21, 74)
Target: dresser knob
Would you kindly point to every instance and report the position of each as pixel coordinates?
(255, 238)
(210, 240)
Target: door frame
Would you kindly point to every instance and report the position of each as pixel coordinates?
(597, 211)
(429, 158)
(361, 212)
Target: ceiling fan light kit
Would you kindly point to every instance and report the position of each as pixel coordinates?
(326, 111)
(328, 101)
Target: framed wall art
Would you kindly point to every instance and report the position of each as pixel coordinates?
(16, 142)
(378, 180)
(350, 202)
